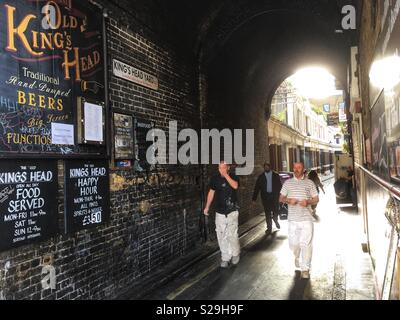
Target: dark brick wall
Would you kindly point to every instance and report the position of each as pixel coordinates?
(371, 20)
(154, 217)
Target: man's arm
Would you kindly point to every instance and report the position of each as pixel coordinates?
(313, 201)
(210, 198)
(256, 190)
(284, 199)
(313, 198)
(233, 183)
(279, 182)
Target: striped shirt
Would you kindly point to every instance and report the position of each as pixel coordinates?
(300, 189)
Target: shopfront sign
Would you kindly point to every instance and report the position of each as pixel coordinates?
(51, 53)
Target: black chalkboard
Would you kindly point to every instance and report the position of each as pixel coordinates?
(28, 202)
(87, 194)
(55, 58)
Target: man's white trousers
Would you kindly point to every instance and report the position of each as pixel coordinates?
(227, 234)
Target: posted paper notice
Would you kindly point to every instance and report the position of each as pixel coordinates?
(93, 122)
(62, 133)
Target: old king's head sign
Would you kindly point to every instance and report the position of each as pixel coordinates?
(51, 53)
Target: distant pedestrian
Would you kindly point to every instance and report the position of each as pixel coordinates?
(313, 176)
(223, 187)
(350, 185)
(269, 184)
(300, 193)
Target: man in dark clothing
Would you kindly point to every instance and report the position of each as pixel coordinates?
(223, 188)
(269, 183)
(350, 185)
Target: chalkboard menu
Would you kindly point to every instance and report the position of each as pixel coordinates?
(123, 133)
(28, 202)
(142, 127)
(51, 53)
(87, 194)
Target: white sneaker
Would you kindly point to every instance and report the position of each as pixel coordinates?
(235, 260)
(224, 264)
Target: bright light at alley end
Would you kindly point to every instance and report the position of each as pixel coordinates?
(385, 73)
(315, 83)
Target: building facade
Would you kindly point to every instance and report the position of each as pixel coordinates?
(298, 133)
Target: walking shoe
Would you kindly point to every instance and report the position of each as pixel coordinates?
(305, 274)
(268, 232)
(235, 260)
(277, 224)
(224, 264)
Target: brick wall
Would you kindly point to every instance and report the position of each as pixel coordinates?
(369, 32)
(155, 218)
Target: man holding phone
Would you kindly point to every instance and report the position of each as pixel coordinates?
(223, 187)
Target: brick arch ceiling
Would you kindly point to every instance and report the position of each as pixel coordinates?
(248, 48)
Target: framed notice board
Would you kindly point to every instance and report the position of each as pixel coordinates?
(28, 202)
(123, 136)
(87, 194)
(90, 122)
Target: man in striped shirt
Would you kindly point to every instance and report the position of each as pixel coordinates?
(300, 194)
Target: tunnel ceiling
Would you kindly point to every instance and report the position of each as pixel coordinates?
(248, 40)
(248, 47)
(206, 26)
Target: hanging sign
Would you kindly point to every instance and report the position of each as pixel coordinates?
(333, 119)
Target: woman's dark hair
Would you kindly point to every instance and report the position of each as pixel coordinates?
(313, 175)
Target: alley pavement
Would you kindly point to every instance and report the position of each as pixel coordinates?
(266, 271)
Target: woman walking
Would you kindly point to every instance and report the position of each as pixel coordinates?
(313, 176)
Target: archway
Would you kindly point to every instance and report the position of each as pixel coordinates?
(257, 56)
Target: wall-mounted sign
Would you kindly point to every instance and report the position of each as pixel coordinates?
(123, 163)
(142, 127)
(87, 194)
(123, 136)
(28, 202)
(51, 52)
(342, 112)
(333, 119)
(130, 73)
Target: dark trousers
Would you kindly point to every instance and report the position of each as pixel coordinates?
(271, 212)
